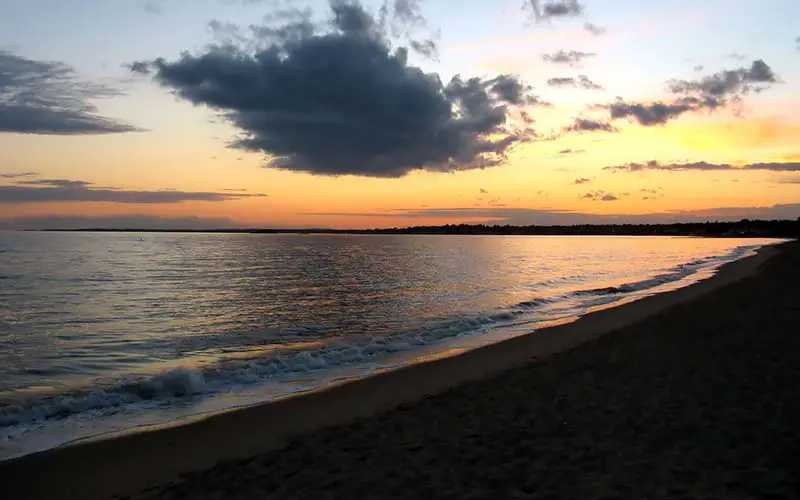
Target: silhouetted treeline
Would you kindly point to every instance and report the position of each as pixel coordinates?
(742, 228)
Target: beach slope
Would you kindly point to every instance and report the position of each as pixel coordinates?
(689, 394)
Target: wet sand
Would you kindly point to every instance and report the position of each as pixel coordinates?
(689, 394)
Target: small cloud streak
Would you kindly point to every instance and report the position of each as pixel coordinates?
(587, 125)
(601, 196)
(581, 81)
(17, 175)
(582, 180)
(63, 190)
(116, 222)
(555, 8)
(571, 58)
(594, 29)
(702, 166)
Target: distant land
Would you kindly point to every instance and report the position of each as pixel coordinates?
(742, 228)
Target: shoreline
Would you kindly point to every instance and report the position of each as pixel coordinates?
(100, 468)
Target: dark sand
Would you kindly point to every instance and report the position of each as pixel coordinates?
(692, 395)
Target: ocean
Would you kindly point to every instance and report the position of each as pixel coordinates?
(107, 333)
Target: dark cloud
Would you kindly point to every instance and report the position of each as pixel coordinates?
(572, 57)
(116, 222)
(708, 93)
(647, 114)
(737, 56)
(555, 8)
(716, 90)
(46, 97)
(561, 82)
(484, 191)
(17, 175)
(339, 99)
(704, 167)
(594, 29)
(571, 151)
(699, 67)
(55, 190)
(586, 125)
(582, 180)
(581, 81)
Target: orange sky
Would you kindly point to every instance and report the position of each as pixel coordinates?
(184, 148)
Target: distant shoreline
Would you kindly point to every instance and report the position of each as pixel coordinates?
(744, 228)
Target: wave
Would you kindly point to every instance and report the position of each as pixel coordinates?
(677, 273)
(280, 362)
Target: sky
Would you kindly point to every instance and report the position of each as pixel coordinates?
(389, 113)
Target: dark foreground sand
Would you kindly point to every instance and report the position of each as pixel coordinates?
(691, 395)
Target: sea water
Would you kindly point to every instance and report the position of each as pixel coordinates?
(108, 332)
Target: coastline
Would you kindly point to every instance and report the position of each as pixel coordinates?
(125, 464)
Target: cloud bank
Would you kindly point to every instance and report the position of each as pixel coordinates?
(46, 97)
(533, 216)
(338, 98)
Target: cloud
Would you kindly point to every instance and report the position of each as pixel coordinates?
(46, 97)
(703, 166)
(647, 114)
(789, 180)
(797, 43)
(533, 216)
(582, 180)
(587, 125)
(116, 222)
(581, 81)
(484, 191)
(600, 196)
(715, 90)
(569, 151)
(651, 194)
(555, 8)
(17, 175)
(338, 99)
(572, 57)
(594, 29)
(711, 92)
(63, 190)
(154, 7)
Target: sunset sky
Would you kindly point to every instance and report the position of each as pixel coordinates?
(216, 113)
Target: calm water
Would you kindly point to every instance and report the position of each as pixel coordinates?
(101, 331)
